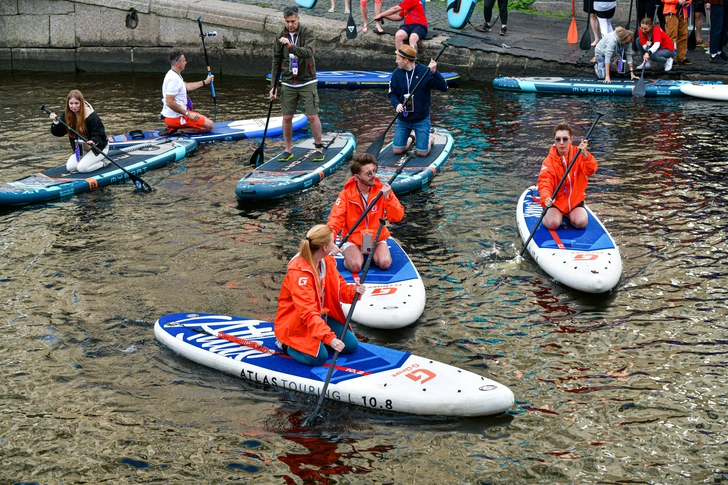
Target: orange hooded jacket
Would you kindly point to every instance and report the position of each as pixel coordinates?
(298, 322)
(573, 191)
(350, 206)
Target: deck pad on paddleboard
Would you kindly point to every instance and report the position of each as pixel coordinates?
(419, 171)
(591, 86)
(58, 182)
(276, 179)
(223, 131)
(374, 377)
(395, 297)
(364, 79)
(584, 259)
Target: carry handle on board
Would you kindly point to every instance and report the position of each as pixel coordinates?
(561, 182)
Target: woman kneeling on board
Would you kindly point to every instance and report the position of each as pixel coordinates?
(80, 116)
(570, 199)
(309, 312)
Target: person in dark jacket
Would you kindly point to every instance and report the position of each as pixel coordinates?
(79, 115)
(293, 58)
(413, 107)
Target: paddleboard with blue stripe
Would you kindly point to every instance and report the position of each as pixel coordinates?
(364, 79)
(591, 86)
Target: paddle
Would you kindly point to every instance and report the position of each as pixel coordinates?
(409, 157)
(585, 43)
(259, 154)
(365, 270)
(558, 187)
(629, 18)
(139, 183)
(376, 146)
(692, 42)
(573, 31)
(351, 27)
(209, 71)
(639, 87)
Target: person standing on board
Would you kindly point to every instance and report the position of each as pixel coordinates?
(413, 107)
(570, 199)
(358, 192)
(676, 26)
(177, 110)
(293, 51)
(309, 317)
(79, 115)
(654, 45)
(414, 25)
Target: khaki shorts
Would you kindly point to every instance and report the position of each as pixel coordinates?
(291, 96)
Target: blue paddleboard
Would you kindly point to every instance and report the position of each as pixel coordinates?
(459, 12)
(374, 377)
(364, 79)
(276, 179)
(57, 182)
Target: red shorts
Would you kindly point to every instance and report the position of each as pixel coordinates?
(185, 122)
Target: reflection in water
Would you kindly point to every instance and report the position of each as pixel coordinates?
(621, 387)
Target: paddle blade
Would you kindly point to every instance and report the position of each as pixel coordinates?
(376, 146)
(585, 43)
(351, 27)
(573, 36)
(258, 156)
(639, 87)
(692, 43)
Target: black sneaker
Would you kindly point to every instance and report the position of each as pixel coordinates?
(285, 157)
(483, 28)
(503, 31)
(723, 55)
(318, 157)
(685, 62)
(716, 59)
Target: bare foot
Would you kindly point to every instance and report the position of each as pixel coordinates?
(365, 29)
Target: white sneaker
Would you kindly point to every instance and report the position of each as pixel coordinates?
(331, 10)
(668, 64)
(346, 10)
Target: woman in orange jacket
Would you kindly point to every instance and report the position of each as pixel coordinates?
(309, 312)
(570, 199)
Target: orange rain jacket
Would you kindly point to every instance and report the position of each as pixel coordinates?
(350, 206)
(670, 7)
(302, 302)
(573, 191)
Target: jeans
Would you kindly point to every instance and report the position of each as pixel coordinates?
(422, 132)
(716, 28)
(661, 56)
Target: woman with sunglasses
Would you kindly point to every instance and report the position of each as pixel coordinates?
(570, 199)
(358, 193)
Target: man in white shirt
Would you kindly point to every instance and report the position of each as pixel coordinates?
(177, 111)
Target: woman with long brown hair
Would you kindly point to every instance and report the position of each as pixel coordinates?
(309, 317)
(80, 116)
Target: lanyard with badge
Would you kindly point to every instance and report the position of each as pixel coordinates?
(408, 98)
(292, 57)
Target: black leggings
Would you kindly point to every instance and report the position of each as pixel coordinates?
(502, 8)
(647, 8)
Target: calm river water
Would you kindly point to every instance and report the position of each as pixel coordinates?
(624, 387)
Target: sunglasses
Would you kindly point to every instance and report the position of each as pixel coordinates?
(369, 173)
(561, 140)
(290, 11)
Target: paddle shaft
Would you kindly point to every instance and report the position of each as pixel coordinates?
(139, 183)
(260, 151)
(209, 71)
(410, 156)
(376, 146)
(558, 187)
(365, 270)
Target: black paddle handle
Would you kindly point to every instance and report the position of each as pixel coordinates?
(410, 156)
(345, 328)
(561, 182)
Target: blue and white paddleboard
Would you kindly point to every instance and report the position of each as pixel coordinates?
(591, 86)
(223, 131)
(459, 12)
(364, 79)
(374, 377)
(584, 259)
(276, 179)
(57, 182)
(419, 171)
(394, 298)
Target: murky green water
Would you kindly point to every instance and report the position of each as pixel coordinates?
(624, 387)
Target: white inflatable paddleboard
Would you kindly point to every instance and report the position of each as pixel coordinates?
(584, 259)
(374, 377)
(715, 92)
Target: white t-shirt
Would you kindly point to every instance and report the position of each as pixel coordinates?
(173, 84)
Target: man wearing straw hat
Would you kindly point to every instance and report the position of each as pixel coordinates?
(413, 107)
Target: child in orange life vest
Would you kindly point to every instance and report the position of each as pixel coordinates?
(309, 312)
(570, 199)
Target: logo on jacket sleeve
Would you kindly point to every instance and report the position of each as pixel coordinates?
(303, 281)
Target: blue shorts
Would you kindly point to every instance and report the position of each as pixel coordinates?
(418, 29)
(422, 132)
